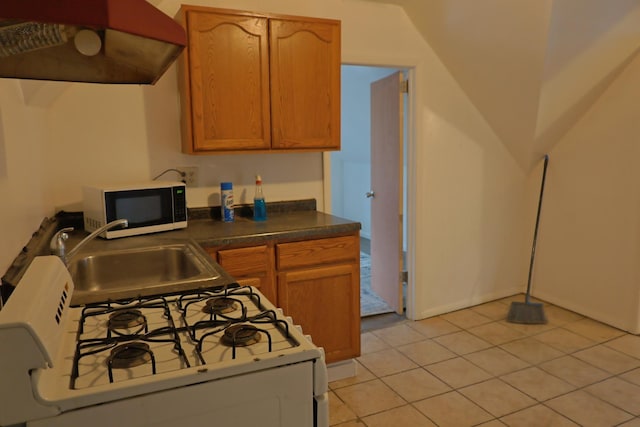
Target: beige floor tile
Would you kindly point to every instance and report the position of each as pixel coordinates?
(433, 327)
(370, 343)
(559, 316)
(426, 352)
(594, 330)
(351, 424)
(399, 335)
(452, 410)
(608, 359)
(466, 318)
(369, 398)
(497, 397)
(362, 375)
(632, 376)
(339, 412)
(462, 342)
(628, 344)
(537, 416)
(496, 333)
(619, 393)
(529, 329)
(537, 383)
(386, 362)
(492, 423)
(407, 371)
(587, 410)
(416, 384)
(403, 416)
(458, 372)
(564, 340)
(531, 350)
(496, 361)
(574, 371)
(495, 310)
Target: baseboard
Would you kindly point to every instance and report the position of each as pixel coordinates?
(459, 305)
(589, 311)
(341, 370)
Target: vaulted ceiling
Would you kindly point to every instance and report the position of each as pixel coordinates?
(531, 67)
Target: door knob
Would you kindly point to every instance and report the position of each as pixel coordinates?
(370, 194)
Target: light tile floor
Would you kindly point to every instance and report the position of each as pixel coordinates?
(473, 368)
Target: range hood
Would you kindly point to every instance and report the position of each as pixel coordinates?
(94, 41)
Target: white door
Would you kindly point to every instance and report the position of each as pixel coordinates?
(386, 189)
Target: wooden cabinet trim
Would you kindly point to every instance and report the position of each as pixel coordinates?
(317, 251)
(246, 260)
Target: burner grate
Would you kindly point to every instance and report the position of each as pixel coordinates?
(127, 342)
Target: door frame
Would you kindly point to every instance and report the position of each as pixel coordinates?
(413, 68)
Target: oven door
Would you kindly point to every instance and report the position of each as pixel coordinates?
(278, 397)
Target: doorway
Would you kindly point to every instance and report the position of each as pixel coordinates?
(351, 173)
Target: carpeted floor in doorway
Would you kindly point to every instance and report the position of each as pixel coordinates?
(370, 303)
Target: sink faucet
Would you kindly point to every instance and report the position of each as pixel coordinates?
(57, 245)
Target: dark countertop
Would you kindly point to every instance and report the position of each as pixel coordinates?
(291, 222)
(289, 226)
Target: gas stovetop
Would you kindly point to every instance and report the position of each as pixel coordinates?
(122, 340)
(64, 357)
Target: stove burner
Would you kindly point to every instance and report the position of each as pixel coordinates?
(125, 319)
(240, 335)
(220, 305)
(129, 355)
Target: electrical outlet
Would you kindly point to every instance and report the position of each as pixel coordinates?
(190, 175)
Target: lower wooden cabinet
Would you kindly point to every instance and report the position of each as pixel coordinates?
(324, 302)
(316, 282)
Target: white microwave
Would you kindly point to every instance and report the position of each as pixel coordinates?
(149, 207)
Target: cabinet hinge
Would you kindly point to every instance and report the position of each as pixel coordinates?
(404, 86)
(404, 276)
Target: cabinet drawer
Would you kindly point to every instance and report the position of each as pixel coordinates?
(244, 261)
(317, 252)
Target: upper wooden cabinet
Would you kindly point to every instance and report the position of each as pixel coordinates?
(255, 82)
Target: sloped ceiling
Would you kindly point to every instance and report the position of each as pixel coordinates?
(531, 67)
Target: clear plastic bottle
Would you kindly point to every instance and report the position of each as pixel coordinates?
(259, 205)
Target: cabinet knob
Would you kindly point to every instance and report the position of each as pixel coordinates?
(370, 194)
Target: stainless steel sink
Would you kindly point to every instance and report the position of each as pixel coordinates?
(129, 273)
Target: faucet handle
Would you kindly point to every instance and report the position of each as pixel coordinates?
(56, 245)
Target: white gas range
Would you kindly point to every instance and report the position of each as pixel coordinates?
(223, 356)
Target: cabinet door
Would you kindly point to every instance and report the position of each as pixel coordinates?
(251, 266)
(227, 81)
(325, 301)
(305, 84)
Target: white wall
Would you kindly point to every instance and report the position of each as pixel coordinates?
(467, 221)
(589, 242)
(22, 138)
(468, 240)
